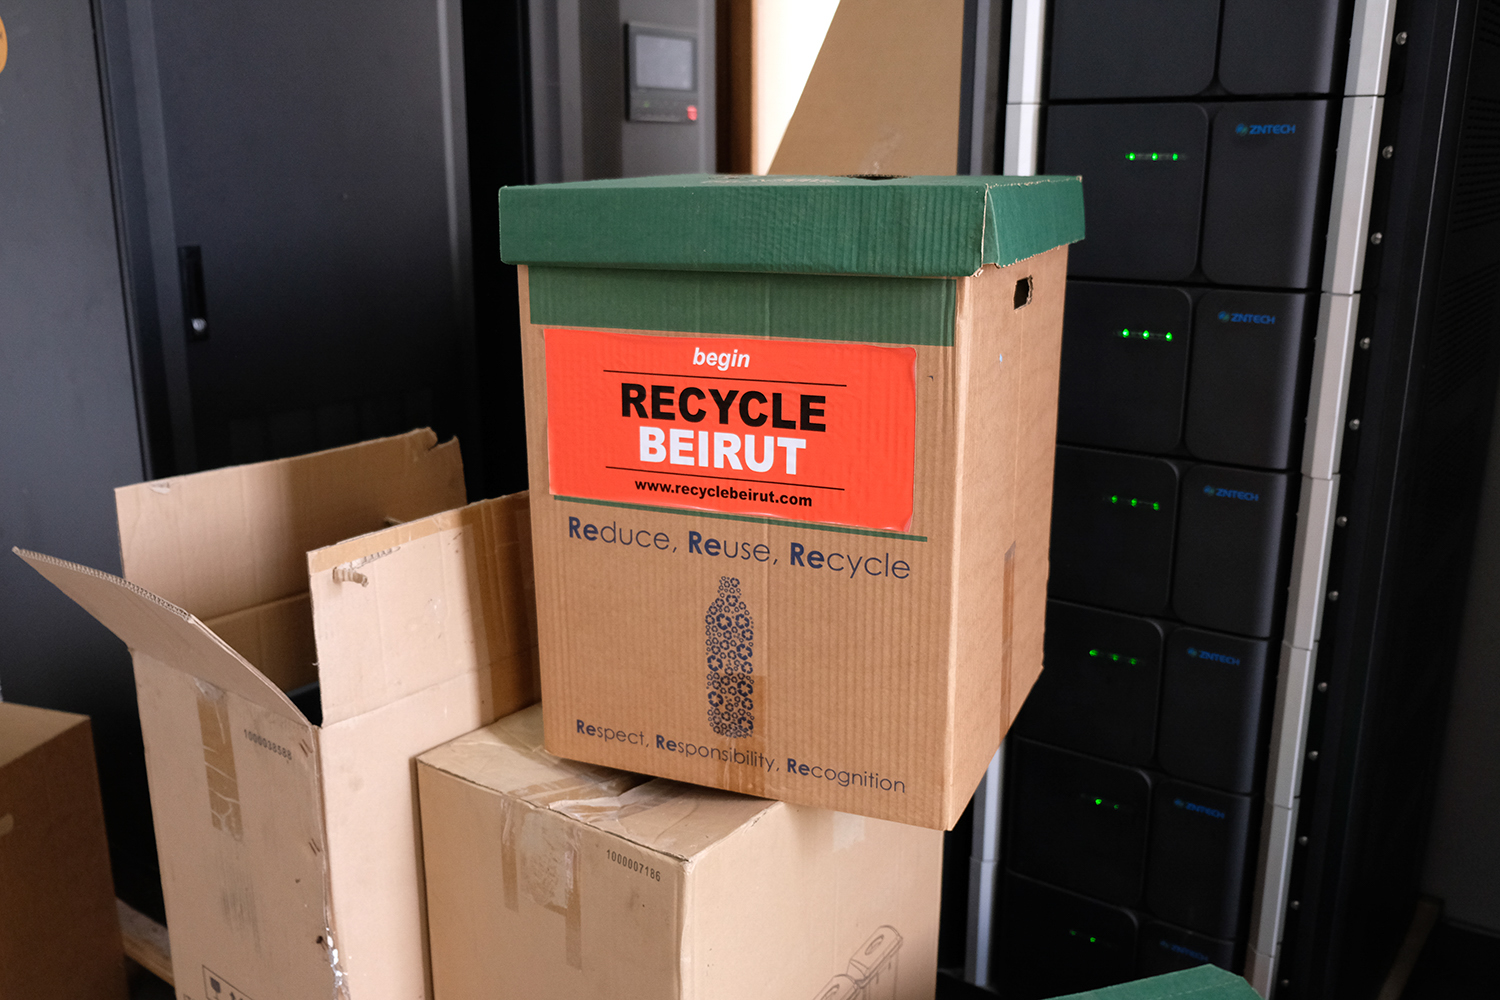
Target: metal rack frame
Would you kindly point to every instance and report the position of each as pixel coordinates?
(1334, 346)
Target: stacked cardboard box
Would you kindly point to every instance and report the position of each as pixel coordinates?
(790, 442)
(550, 879)
(791, 450)
(58, 934)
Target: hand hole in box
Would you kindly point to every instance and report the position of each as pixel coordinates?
(1023, 291)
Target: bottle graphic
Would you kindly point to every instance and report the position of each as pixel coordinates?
(729, 637)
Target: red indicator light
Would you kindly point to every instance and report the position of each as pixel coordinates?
(692, 112)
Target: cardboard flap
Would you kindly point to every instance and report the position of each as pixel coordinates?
(161, 630)
(276, 637)
(373, 826)
(416, 605)
(507, 757)
(224, 540)
(668, 817)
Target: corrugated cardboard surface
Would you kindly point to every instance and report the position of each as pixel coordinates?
(806, 306)
(552, 879)
(915, 227)
(239, 832)
(900, 690)
(883, 97)
(58, 934)
(222, 541)
(291, 853)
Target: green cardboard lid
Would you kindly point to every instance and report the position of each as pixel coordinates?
(1205, 982)
(919, 227)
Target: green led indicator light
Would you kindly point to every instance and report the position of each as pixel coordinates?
(1092, 940)
(1114, 498)
(1128, 334)
(1115, 657)
(1129, 156)
(1098, 802)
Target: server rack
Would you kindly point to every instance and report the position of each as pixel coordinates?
(1422, 394)
(1136, 770)
(1227, 174)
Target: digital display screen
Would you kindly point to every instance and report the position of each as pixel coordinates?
(663, 62)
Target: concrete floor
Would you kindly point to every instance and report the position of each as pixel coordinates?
(145, 986)
(1456, 964)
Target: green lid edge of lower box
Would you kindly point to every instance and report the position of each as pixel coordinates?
(931, 227)
(1205, 982)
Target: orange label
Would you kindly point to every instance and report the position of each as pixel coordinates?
(801, 430)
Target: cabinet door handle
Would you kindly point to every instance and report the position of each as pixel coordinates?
(194, 304)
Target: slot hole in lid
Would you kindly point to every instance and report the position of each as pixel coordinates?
(1023, 292)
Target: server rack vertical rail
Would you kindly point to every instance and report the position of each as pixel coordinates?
(1370, 46)
(1140, 778)
(1420, 405)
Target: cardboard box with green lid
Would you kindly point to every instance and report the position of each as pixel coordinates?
(1205, 982)
(790, 445)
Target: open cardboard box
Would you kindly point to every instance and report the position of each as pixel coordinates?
(290, 846)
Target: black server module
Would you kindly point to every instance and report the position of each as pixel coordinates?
(1204, 130)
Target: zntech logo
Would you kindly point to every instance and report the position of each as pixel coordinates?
(1205, 654)
(1225, 492)
(1264, 319)
(1243, 129)
(1202, 810)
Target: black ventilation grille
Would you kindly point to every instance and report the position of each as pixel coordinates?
(1487, 25)
(1462, 331)
(1476, 181)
